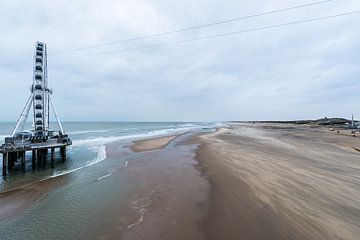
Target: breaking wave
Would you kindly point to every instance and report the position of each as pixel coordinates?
(86, 132)
(97, 144)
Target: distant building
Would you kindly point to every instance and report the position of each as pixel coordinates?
(353, 124)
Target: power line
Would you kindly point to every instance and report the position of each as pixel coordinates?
(215, 35)
(174, 31)
(194, 27)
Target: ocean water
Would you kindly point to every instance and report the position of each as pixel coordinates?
(95, 184)
(89, 140)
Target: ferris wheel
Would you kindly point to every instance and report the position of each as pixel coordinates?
(40, 91)
(39, 139)
(40, 98)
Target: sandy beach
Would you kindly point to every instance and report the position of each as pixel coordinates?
(281, 182)
(151, 144)
(249, 181)
(180, 120)
(264, 181)
(166, 201)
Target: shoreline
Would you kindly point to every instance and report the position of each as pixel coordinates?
(248, 181)
(169, 195)
(14, 201)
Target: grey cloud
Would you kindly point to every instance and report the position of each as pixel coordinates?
(301, 71)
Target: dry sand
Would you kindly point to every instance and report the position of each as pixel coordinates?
(152, 143)
(281, 182)
(253, 181)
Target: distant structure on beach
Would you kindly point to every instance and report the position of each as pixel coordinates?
(40, 138)
(353, 124)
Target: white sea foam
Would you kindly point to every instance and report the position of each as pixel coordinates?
(141, 205)
(97, 145)
(61, 173)
(188, 125)
(125, 129)
(101, 156)
(105, 176)
(91, 142)
(86, 132)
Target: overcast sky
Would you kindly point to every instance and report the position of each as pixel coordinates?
(301, 71)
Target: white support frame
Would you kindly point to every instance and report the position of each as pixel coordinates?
(45, 101)
(23, 116)
(57, 117)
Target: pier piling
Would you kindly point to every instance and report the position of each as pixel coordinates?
(22, 156)
(44, 155)
(52, 157)
(38, 157)
(4, 171)
(63, 153)
(33, 159)
(11, 161)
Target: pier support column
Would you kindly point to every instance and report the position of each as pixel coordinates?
(44, 156)
(52, 157)
(14, 158)
(33, 159)
(5, 159)
(39, 157)
(63, 153)
(22, 156)
(11, 160)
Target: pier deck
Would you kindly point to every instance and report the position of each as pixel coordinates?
(31, 146)
(15, 151)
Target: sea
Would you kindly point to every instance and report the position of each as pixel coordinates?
(89, 141)
(95, 185)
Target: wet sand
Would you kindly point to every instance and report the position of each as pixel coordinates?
(252, 181)
(168, 195)
(162, 196)
(281, 182)
(18, 199)
(15, 200)
(263, 181)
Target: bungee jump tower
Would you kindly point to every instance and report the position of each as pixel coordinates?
(39, 139)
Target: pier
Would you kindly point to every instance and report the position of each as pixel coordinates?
(40, 140)
(40, 153)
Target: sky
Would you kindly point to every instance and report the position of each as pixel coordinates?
(304, 71)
